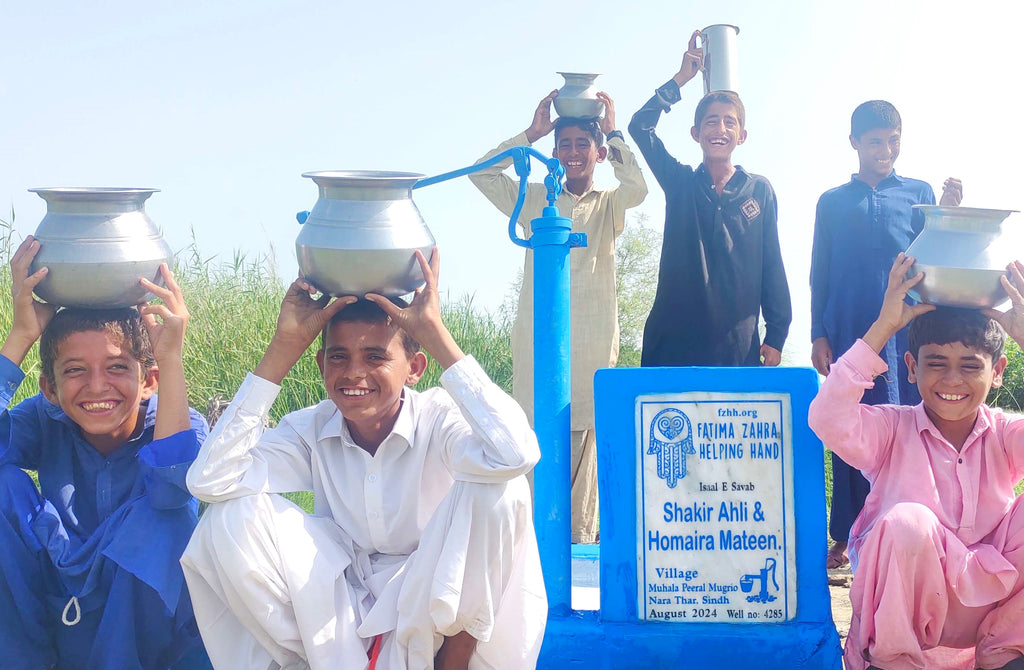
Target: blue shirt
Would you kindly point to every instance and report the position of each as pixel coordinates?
(858, 231)
(103, 506)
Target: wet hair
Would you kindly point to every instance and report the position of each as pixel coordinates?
(124, 325)
(872, 115)
(365, 311)
(726, 97)
(589, 126)
(945, 325)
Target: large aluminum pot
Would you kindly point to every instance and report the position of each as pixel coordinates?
(97, 243)
(962, 253)
(362, 234)
(578, 97)
(721, 64)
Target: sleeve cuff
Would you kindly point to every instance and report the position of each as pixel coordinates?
(256, 395)
(668, 94)
(11, 377)
(864, 361)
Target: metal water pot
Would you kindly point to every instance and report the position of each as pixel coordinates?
(721, 64)
(362, 234)
(962, 252)
(97, 243)
(578, 97)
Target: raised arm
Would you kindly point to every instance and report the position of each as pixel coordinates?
(632, 188)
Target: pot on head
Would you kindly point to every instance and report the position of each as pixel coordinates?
(721, 65)
(97, 243)
(578, 97)
(362, 234)
(962, 253)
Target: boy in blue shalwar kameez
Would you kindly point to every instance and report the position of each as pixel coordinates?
(89, 574)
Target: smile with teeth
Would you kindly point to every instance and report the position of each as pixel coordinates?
(719, 141)
(99, 406)
(574, 164)
(952, 396)
(356, 392)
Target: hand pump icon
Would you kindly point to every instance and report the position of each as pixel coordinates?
(747, 583)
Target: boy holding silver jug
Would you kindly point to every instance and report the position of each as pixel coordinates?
(89, 573)
(721, 265)
(859, 228)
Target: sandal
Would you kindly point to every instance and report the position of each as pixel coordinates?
(836, 556)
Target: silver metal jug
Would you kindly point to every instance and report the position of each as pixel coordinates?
(962, 253)
(578, 96)
(362, 234)
(721, 65)
(97, 243)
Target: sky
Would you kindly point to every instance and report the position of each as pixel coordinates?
(222, 106)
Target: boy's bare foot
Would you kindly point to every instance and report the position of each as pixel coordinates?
(455, 652)
(836, 556)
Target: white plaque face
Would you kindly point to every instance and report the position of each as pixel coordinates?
(715, 527)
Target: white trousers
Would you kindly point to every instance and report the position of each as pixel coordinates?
(274, 587)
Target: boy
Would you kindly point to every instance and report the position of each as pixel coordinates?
(938, 550)
(579, 145)
(858, 230)
(422, 551)
(89, 574)
(721, 266)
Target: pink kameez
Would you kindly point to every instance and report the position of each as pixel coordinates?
(938, 550)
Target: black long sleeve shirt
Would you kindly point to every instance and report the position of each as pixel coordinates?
(721, 264)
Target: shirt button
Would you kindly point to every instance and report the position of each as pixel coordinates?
(372, 478)
(374, 515)
(959, 460)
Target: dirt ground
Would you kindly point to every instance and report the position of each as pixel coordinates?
(839, 586)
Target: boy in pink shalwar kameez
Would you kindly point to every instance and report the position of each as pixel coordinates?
(938, 550)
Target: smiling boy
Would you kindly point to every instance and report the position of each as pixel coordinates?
(421, 552)
(721, 265)
(859, 228)
(89, 574)
(938, 550)
(601, 214)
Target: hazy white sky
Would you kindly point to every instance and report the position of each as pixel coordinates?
(223, 104)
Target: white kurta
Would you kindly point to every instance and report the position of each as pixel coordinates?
(431, 535)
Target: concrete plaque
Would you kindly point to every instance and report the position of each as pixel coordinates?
(715, 516)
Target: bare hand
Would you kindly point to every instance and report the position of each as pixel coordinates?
(542, 123)
(30, 315)
(607, 122)
(952, 192)
(422, 318)
(821, 355)
(770, 356)
(895, 312)
(1012, 320)
(168, 334)
(693, 61)
(302, 318)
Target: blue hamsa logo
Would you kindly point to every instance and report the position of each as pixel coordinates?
(670, 441)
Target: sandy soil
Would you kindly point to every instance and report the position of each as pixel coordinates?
(839, 586)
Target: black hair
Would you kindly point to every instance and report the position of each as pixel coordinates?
(872, 115)
(726, 97)
(123, 324)
(945, 325)
(365, 311)
(589, 126)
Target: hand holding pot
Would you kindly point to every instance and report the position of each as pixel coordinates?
(1012, 320)
(952, 192)
(895, 312)
(30, 315)
(693, 61)
(542, 123)
(607, 121)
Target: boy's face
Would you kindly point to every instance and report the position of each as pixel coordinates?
(579, 155)
(719, 132)
(99, 385)
(365, 367)
(877, 151)
(953, 380)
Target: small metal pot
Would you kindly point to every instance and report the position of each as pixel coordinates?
(962, 253)
(362, 234)
(97, 243)
(578, 97)
(721, 64)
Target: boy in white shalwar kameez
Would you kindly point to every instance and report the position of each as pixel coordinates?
(421, 551)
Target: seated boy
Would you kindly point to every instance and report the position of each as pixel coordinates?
(89, 574)
(601, 214)
(422, 544)
(721, 265)
(938, 550)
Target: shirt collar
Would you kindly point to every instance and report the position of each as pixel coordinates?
(925, 425)
(405, 425)
(740, 176)
(892, 180)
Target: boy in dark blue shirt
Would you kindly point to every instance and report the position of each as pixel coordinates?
(859, 229)
(89, 573)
